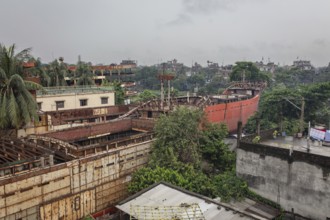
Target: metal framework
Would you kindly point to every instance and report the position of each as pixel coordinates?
(19, 155)
(183, 211)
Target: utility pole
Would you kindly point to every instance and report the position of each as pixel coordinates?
(302, 115)
(169, 93)
(162, 90)
(243, 77)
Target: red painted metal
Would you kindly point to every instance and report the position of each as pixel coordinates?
(232, 112)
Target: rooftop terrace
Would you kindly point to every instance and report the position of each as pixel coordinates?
(74, 90)
(298, 144)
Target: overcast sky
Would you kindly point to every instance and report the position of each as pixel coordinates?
(154, 31)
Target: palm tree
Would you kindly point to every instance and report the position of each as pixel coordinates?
(56, 72)
(39, 71)
(84, 74)
(17, 105)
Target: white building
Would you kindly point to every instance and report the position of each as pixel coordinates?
(66, 98)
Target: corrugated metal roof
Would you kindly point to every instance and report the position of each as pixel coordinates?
(161, 196)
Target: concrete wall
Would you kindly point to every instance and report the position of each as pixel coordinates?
(74, 189)
(300, 181)
(72, 100)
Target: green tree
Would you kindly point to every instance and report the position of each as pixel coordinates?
(229, 186)
(247, 71)
(323, 75)
(217, 82)
(186, 177)
(84, 74)
(146, 77)
(294, 76)
(147, 176)
(180, 83)
(280, 107)
(214, 151)
(184, 141)
(56, 72)
(198, 80)
(276, 106)
(39, 71)
(317, 98)
(177, 137)
(146, 95)
(17, 105)
(119, 93)
(251, 125)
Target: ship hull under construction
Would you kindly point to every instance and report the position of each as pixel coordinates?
(232, 112)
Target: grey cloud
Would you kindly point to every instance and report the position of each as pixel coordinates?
(190, 30)
(180, 20)
(206, 6)
(320, 42)
(202, 7)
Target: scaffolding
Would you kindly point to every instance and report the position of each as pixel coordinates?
(183, 211)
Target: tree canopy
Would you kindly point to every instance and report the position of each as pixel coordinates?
(190, 153)
(146, 95)
(119, 93)
(84, 74)
(17, 105)
(277, 106)
(247, 71)
(56, 72)
(177, 138)
(147, 78)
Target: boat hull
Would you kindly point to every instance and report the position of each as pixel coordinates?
(233, 112)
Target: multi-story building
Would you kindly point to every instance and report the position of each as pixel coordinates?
(226, 70)
(266, 67)
(196, 68)
(123, 72)
(65, 98)
(173, 66)
(303, 64)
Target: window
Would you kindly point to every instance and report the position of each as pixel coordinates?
(104, 100)
(83, 102)
(59, 104)
(39, 105)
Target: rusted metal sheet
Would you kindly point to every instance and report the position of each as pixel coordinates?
(93, 130)
(73, 189)
(65, 116)
(100, 111)
(72, 207)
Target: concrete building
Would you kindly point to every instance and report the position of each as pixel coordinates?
(284, 171)
(303, 64)
(123, 72)
(226, 70)
(54, 99)
(266, 67)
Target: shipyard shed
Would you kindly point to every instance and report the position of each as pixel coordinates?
(165, 201)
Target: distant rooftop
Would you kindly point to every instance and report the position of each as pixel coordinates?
(74, 90)
(298, 144)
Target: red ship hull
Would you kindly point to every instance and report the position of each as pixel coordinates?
(233, 112)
